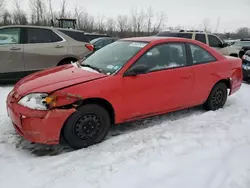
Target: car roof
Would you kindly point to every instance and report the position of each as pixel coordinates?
(100, 38)
(154, 39)
(41, 27)
(186, 32)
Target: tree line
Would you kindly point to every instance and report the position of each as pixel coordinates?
(138, 23)
(41, 12)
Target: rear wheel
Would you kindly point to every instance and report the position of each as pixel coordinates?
(89, 125)
(217, 97)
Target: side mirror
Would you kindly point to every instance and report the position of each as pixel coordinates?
(137, 69)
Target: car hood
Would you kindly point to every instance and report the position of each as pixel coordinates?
(56, 78)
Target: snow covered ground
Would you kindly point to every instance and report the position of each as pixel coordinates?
(187, 149)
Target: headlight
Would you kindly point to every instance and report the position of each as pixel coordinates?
(36, 101)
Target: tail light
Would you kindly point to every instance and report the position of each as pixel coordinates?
(90, 47)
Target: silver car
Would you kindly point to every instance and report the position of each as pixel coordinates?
(27, 49)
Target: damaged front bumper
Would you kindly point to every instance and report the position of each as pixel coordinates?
(38, 126)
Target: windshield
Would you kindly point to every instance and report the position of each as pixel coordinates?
(95, 40)
(113, 57)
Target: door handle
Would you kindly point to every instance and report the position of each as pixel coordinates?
(59, 46)
(15, 48)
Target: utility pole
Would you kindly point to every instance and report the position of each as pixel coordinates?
(218, 24)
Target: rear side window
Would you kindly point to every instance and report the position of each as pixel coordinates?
(35, 35)
(201, 38)
(214, 41)
(78, 36)
(200, 55)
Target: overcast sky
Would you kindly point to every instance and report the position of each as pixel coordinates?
(188, 13)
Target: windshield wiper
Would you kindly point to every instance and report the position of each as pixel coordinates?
(94, 68)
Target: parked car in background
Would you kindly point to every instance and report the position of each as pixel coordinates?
(92, 36)
(127, 80)
(206, 38)
(243, 45)
(99, 43)
(27, 49)
(246, 66)
(230, 41)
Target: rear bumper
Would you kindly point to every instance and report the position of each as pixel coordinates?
(38, 126)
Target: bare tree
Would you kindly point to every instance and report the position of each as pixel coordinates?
(1, 9)
(19, 16)
(243, 32)
(7, 18)
(160, 22)
(122, 22)
(110, 25)
(100, 24)
(206, 23)
(138, 21)
(1, 4)
(134, 15)
(87, 22)
(38, 12)
(79, 11)
(51, 12)
(150, 16)
(63, 8)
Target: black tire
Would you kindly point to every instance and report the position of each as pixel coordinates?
(89, 125)
(217, 98)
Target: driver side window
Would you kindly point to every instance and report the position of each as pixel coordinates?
(164, 56)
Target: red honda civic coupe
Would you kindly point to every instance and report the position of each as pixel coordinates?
(127, 80)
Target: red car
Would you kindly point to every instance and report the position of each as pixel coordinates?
(127, 80)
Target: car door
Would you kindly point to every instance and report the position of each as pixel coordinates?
(205, 68)
(43, 48)
(165, 87)
(11, 54)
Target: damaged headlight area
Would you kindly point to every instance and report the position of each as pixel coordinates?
(35, 101)
(44, 101)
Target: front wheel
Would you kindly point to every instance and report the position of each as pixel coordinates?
(89, 125)
(217, 97)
